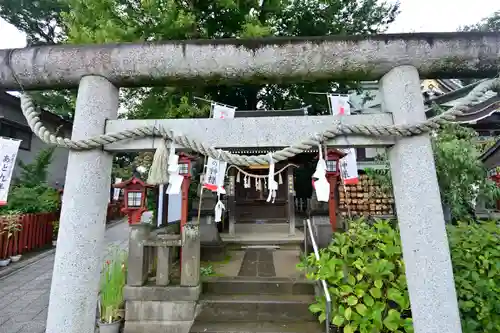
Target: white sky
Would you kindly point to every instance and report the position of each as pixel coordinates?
(416, 16)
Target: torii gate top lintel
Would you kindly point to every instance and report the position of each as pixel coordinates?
(435, 55)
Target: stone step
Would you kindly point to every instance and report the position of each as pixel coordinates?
(257, 286)
(246, 228)
(280, 239)
(257, 327)
(258, 308)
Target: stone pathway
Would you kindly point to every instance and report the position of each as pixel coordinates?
(24, 295)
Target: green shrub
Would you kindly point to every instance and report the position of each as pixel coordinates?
(365, 273)
(38, 199)
(475, 253)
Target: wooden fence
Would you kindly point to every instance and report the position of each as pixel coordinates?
(114, 212)
(36, 233)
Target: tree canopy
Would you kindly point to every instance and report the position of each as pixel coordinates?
(104, 21)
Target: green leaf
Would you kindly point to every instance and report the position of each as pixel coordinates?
(348, 329)
(368, 300)
(316, 308)
(376, 293)
(393, 320)
(362, 309)
(348, 313)
(351, 280)
(338, 320)
(398, 297)
(352, 300)
(379, 284)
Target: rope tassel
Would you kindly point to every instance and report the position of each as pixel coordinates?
(158, 173)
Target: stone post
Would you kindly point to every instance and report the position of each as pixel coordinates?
(423, 235)
(231, 202)
(190, 270)
(290, 201)
(75, 279)
(137, 269)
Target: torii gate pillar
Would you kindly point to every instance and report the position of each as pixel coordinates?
(75, 280)
(425, 246)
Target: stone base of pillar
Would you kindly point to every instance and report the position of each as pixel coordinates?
(147, 310)
(212, 246)
(322, 230)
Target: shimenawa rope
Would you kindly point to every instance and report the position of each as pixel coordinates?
(336, 129)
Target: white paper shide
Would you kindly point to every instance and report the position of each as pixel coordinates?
(348, 165)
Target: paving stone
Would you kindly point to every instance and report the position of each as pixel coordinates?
(24, 295)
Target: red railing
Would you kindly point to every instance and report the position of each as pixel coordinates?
(36, 233)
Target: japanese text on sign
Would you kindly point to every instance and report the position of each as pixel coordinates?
(8, 154)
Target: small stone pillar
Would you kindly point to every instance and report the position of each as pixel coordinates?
(420, 214)
(137, 269)
(290, 201)
(75, 279)
(190, 270)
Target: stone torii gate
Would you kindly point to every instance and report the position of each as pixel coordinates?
(397, 61)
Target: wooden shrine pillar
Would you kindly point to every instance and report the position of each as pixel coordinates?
(231, 201)
(290, 201)
(332, 202)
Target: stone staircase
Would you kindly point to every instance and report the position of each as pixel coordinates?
(271, 234)
(257, 305)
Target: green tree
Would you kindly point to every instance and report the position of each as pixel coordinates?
(36, 172)
(461, 176)
(96, 21)
(490, 23)
(40, 20)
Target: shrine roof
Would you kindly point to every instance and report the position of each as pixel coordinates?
(271, 113)
(261, 151)
(495, 149)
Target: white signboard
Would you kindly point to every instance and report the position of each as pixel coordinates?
(216, 170)
(116, 191)
(348, 166)
(8, 155)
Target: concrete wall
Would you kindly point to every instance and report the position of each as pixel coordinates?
(10, 110)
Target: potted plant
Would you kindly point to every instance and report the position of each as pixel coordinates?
(10, 228)
(111, 301)
(55, 231)
(4, 260)
(15, 228)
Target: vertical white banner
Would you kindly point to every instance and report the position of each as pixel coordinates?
(116, 191)
(339, 105)
(216, 170)
(8, 155)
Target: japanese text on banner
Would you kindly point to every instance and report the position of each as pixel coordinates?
(216, 170)
(8, 155)
(348, 165)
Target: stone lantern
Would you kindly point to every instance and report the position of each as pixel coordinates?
(135, 191)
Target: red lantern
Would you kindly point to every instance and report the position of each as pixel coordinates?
(332, 162)
(134, 198)
(332, 158)
(185, 167)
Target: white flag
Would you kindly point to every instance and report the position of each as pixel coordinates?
(216, 170)
(116, 191)
(339, 104)
(348, 165)
(8, 151)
